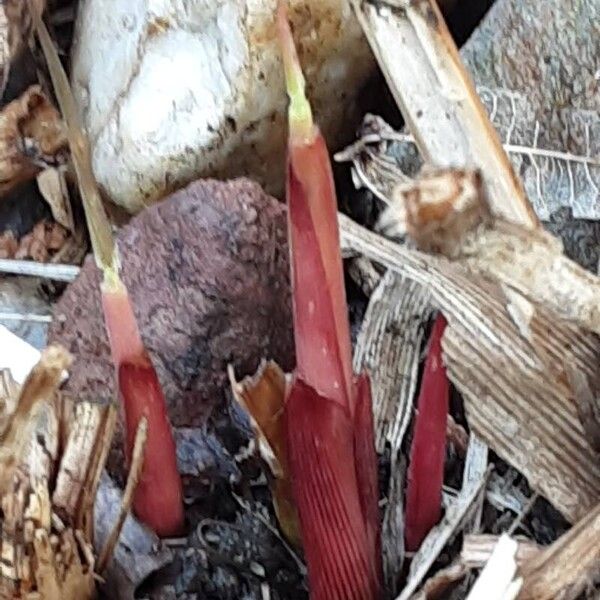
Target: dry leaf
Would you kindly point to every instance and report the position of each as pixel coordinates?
(53, 187)
(8, 245)
(44, 239)
(31, 134)
(263, 396)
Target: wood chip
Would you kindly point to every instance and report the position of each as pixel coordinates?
(566, 568)
(496, 581)
(46, 548)
(477, 549)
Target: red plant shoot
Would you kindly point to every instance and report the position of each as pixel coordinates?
(158, 499)
(328, 417)
(428, 449)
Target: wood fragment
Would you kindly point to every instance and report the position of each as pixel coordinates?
(47, 549)
(496, 581)
(566, 568)
(438, 99)
(40, 386)
(477, 549)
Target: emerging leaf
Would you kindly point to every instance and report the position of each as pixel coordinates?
(428, 450)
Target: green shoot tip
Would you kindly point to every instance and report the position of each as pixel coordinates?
(299, 111)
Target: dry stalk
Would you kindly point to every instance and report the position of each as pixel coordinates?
(438, 99)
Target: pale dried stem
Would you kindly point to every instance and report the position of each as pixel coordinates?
(98, 224)
(438, 99)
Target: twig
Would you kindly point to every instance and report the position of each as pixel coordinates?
(36, 269)
(137, 463)
(522, 514)
(10, 316)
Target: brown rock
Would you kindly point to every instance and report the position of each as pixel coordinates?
(207, 270)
